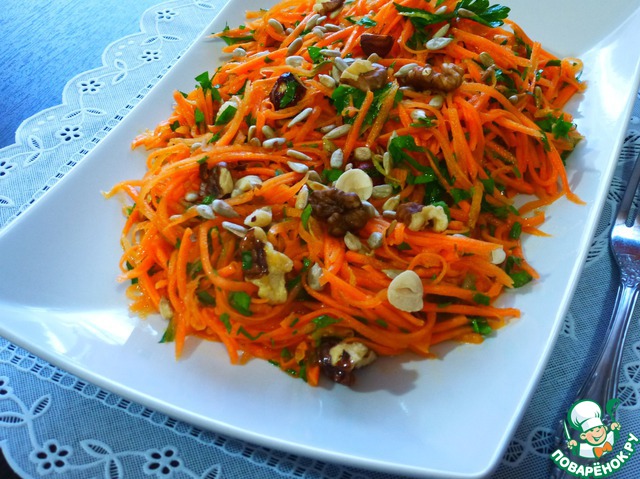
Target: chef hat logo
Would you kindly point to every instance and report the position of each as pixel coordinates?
(585, 415)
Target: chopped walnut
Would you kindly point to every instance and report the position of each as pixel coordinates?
(417, 216)
(252, 245)
(215, 181)
(339, 359)
(426, 78)
(365, 75)
(342, 211)
(272, 286)
(325, 7)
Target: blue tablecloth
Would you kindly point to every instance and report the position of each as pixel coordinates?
(55, 424)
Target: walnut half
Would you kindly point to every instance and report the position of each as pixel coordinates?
(426, 78)
(341, 211)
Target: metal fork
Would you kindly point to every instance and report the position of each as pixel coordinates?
(602, 382)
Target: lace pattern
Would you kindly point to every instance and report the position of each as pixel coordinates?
(36, 397)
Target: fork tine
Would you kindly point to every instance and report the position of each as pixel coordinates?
(629, 194)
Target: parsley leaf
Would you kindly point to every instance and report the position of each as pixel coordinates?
(364, 21)
(229, 40)
(481, 299)
(289, 93)
(481, 326)
(324, 321)
(398, 148)
(489, 15)
(314, 54)
(205, 298)
(169, 334)
(304, 217)
(240, 301)
(226, 116)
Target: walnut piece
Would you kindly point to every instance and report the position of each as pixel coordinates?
(325, 7)
(365, 75)
(342, 211)
(417, 216)
(215, 181)
(272, 286)
(252, 245)
(338, 359)
(426, 78)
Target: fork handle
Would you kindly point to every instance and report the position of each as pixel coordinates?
(602, 382)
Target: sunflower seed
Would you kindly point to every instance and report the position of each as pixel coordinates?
(337, 158)
(195, 146)
(442, 31)
(303, 197)
(224, 209)
(387, 162)
(382, 191)
(298, 167)
(373, 212)
(352, 242)
(327, 52)
(318, 32)
(312, 21)
(191, 196)
(464, 13)
(340, 64)
(237, 230)
(165, 309)
(294, 61)
(417, 115)
(255, 142)
(276, 25)
(273, 142)
(332, 28)
(362, 153)
(392, 273)
(303, 115)
(294, 46)
(251, 133)
(327, 81)
(313, 277)
(405, 69)
(239, 53)
(486, 59)
(438, 43)
(268, 132)
(298, 155)
(375, 240)
(437, 101)
(327, 128)
(205, 212)
(338, 132)
(392, 203)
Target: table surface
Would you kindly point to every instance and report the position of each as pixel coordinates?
(48, 45)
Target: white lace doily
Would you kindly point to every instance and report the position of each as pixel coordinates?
(44, 411)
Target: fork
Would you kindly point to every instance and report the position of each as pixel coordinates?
(602, 382)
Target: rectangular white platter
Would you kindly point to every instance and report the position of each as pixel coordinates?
(448, 418)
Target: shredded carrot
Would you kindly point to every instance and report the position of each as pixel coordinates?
(228, 238)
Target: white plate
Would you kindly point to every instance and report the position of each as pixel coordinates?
(446, 418)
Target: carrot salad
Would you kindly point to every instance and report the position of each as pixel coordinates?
(342, 186)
